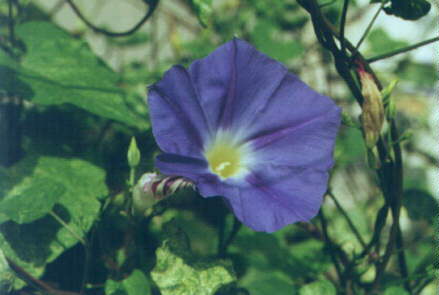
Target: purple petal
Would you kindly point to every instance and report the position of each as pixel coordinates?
(269, 206)
(172, 164)
(233, 81)
(269, 203)
(297, 127)
(179, 123)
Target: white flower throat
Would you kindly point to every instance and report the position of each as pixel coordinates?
(227, 156)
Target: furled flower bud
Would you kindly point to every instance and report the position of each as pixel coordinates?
(152, 188)
(133, 153)
(373, 111)
(144, 198)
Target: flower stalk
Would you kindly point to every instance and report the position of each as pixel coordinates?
(390, 174)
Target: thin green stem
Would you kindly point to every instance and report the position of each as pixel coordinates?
(369, 27)
(330, 245)
(132, 177)
(393, 178)
(398, 190)
(88, 256)
(402, 50)
(348, 219)
(137, 26)
(235, 229)
(67, 227)
(378, 228)
(34, 282)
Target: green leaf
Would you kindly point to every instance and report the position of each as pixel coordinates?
(408, 9)
(264, 38)
(179, 272)
(136, 284)
(395, 291)
(35, 244)
(420, 74)
(7, 276)
(271, 263)
(41, 192)
(420, 205)
(347, 120)
(381, 42)
(260, 282)
(199, 47)
(61, 69)
(349, 147)
(9, 83)
(388, 90)
(203, 10)
(323, 287)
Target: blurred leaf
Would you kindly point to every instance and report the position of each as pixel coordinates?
(135, 39)
(262, 282)
(341, 232)
(199, 47)
(422, 259)
(203, 10)
(408, 9)
(136, 284)
(395, 291)
(421, 74)
(309, 258)
(287, 14)
(41, 192)
(380, 42)
(61, 69)
(323, 287)
(349, 147)
(270, 255)
(415, 178)
(178, 271)
(204, 238)
(8, 78)
(420, 205)
(7, 276)
(264, 38)
(347, 120)
(35, 244)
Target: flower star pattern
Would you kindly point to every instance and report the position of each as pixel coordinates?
(238, 125)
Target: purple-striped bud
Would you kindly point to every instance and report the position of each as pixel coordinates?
(152, 188)
(161, 187)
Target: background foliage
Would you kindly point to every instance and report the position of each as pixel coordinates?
(72, 94)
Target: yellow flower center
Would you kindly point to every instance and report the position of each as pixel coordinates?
(224, 159)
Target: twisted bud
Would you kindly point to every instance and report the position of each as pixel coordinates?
(372, 116)
(153, 187)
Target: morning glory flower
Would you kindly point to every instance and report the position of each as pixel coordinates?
(239, 125)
